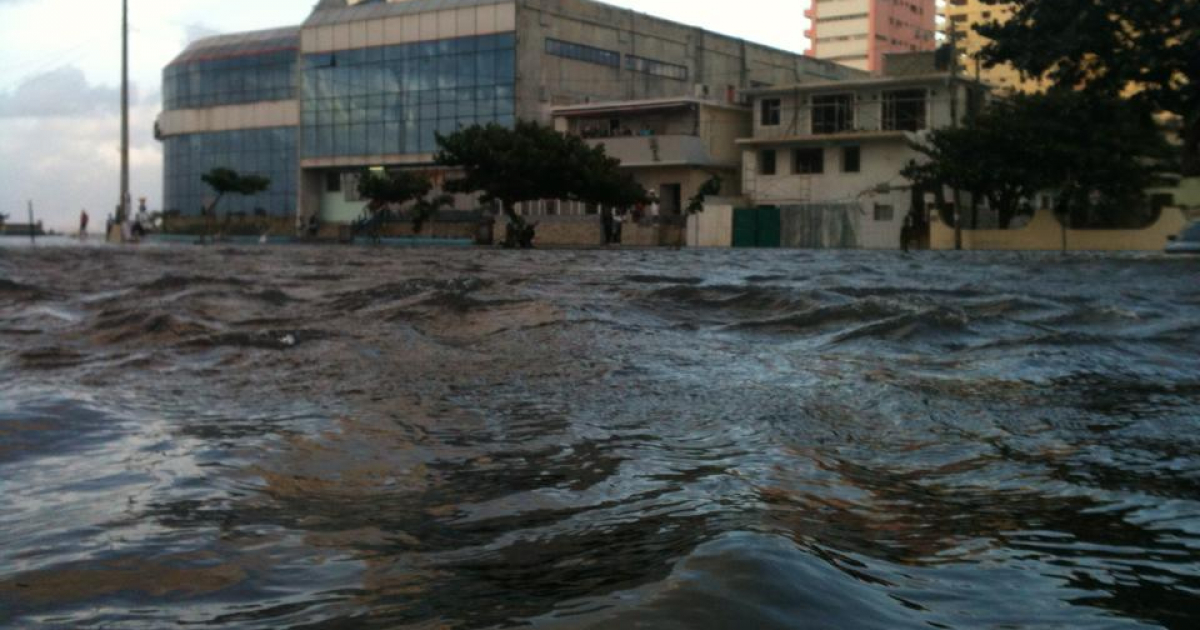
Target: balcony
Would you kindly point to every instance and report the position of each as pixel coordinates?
(653, 150)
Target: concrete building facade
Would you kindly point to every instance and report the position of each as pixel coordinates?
(859, 33)
(961, 17)
(671, 146)
(829, 155)
(368, 84)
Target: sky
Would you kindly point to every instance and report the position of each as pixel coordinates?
(60, 78)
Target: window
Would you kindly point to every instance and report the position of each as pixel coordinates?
(656, 68)
(884, 213)
(581, 52)
(904, 110)
(333, 182)
(771, 109)
(832, 113)
(766, 162)
(808, 161)
(851, 159)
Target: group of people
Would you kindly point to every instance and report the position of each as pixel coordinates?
(134, 229)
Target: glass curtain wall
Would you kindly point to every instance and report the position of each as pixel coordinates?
(268, 152)
(389, 100)
(265, 76)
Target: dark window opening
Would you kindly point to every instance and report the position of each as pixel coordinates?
(766, 162)
(833, 113)
(771, 110)
(333, 182)
(851, 159)
(808, 161)
(904, 110)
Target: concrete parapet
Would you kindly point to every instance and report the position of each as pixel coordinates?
(1045, 233)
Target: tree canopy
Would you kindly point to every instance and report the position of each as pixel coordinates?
(386, 191)
(1109, 47)
(1097, 155)
(531, 162)
(226, 181)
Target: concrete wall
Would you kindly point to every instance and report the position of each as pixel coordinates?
(718, 61)
(411, 27)
(1045, 233)
(587, 231)
(230, 117)
(714, 226)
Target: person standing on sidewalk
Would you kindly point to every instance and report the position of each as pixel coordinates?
(83, 224)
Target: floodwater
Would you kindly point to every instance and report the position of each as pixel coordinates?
(341, 438)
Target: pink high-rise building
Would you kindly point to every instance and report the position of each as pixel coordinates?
(858, 33)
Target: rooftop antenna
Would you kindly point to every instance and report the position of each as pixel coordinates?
(123, 212)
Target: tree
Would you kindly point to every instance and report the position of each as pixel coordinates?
(711, 188)
(226, 181)
(531, 162)
(388, 191)
(1107, 47)
(1097, 154)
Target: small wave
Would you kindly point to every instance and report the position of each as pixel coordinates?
(261, 340)
(825, 316)
(396, 291)
(121, 327)
(51, 358)
(733, 297)
(656, 279)
(17, 290)
(171, 283)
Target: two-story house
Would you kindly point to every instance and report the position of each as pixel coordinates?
(829, 154)
(672, 146)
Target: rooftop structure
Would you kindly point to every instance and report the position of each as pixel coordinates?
(858, 33)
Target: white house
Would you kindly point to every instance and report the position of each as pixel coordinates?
(829, 154)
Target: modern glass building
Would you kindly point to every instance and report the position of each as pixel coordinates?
(370, 83)
(213, 92)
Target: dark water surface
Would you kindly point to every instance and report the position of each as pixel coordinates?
(354, 438)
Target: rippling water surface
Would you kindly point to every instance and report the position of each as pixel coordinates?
(355, 438)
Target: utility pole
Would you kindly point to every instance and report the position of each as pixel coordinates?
(123, 213)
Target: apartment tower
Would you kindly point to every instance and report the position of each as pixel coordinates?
(961, 17)
(858, 33)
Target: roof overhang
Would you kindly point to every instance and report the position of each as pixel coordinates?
(650, 105)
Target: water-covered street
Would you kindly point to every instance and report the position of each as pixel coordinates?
(319, 437)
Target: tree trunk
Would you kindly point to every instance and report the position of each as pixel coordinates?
(1191, 146)
(211, 219)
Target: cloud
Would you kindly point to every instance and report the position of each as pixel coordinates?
(64, 92)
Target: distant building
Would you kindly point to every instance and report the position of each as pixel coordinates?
(22, 229)
(858, 33)
(961, 17)
(368, 84)
(828, 155)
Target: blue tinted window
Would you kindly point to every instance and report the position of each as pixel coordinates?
(267, 152)
(393, 99)
(250, 78)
